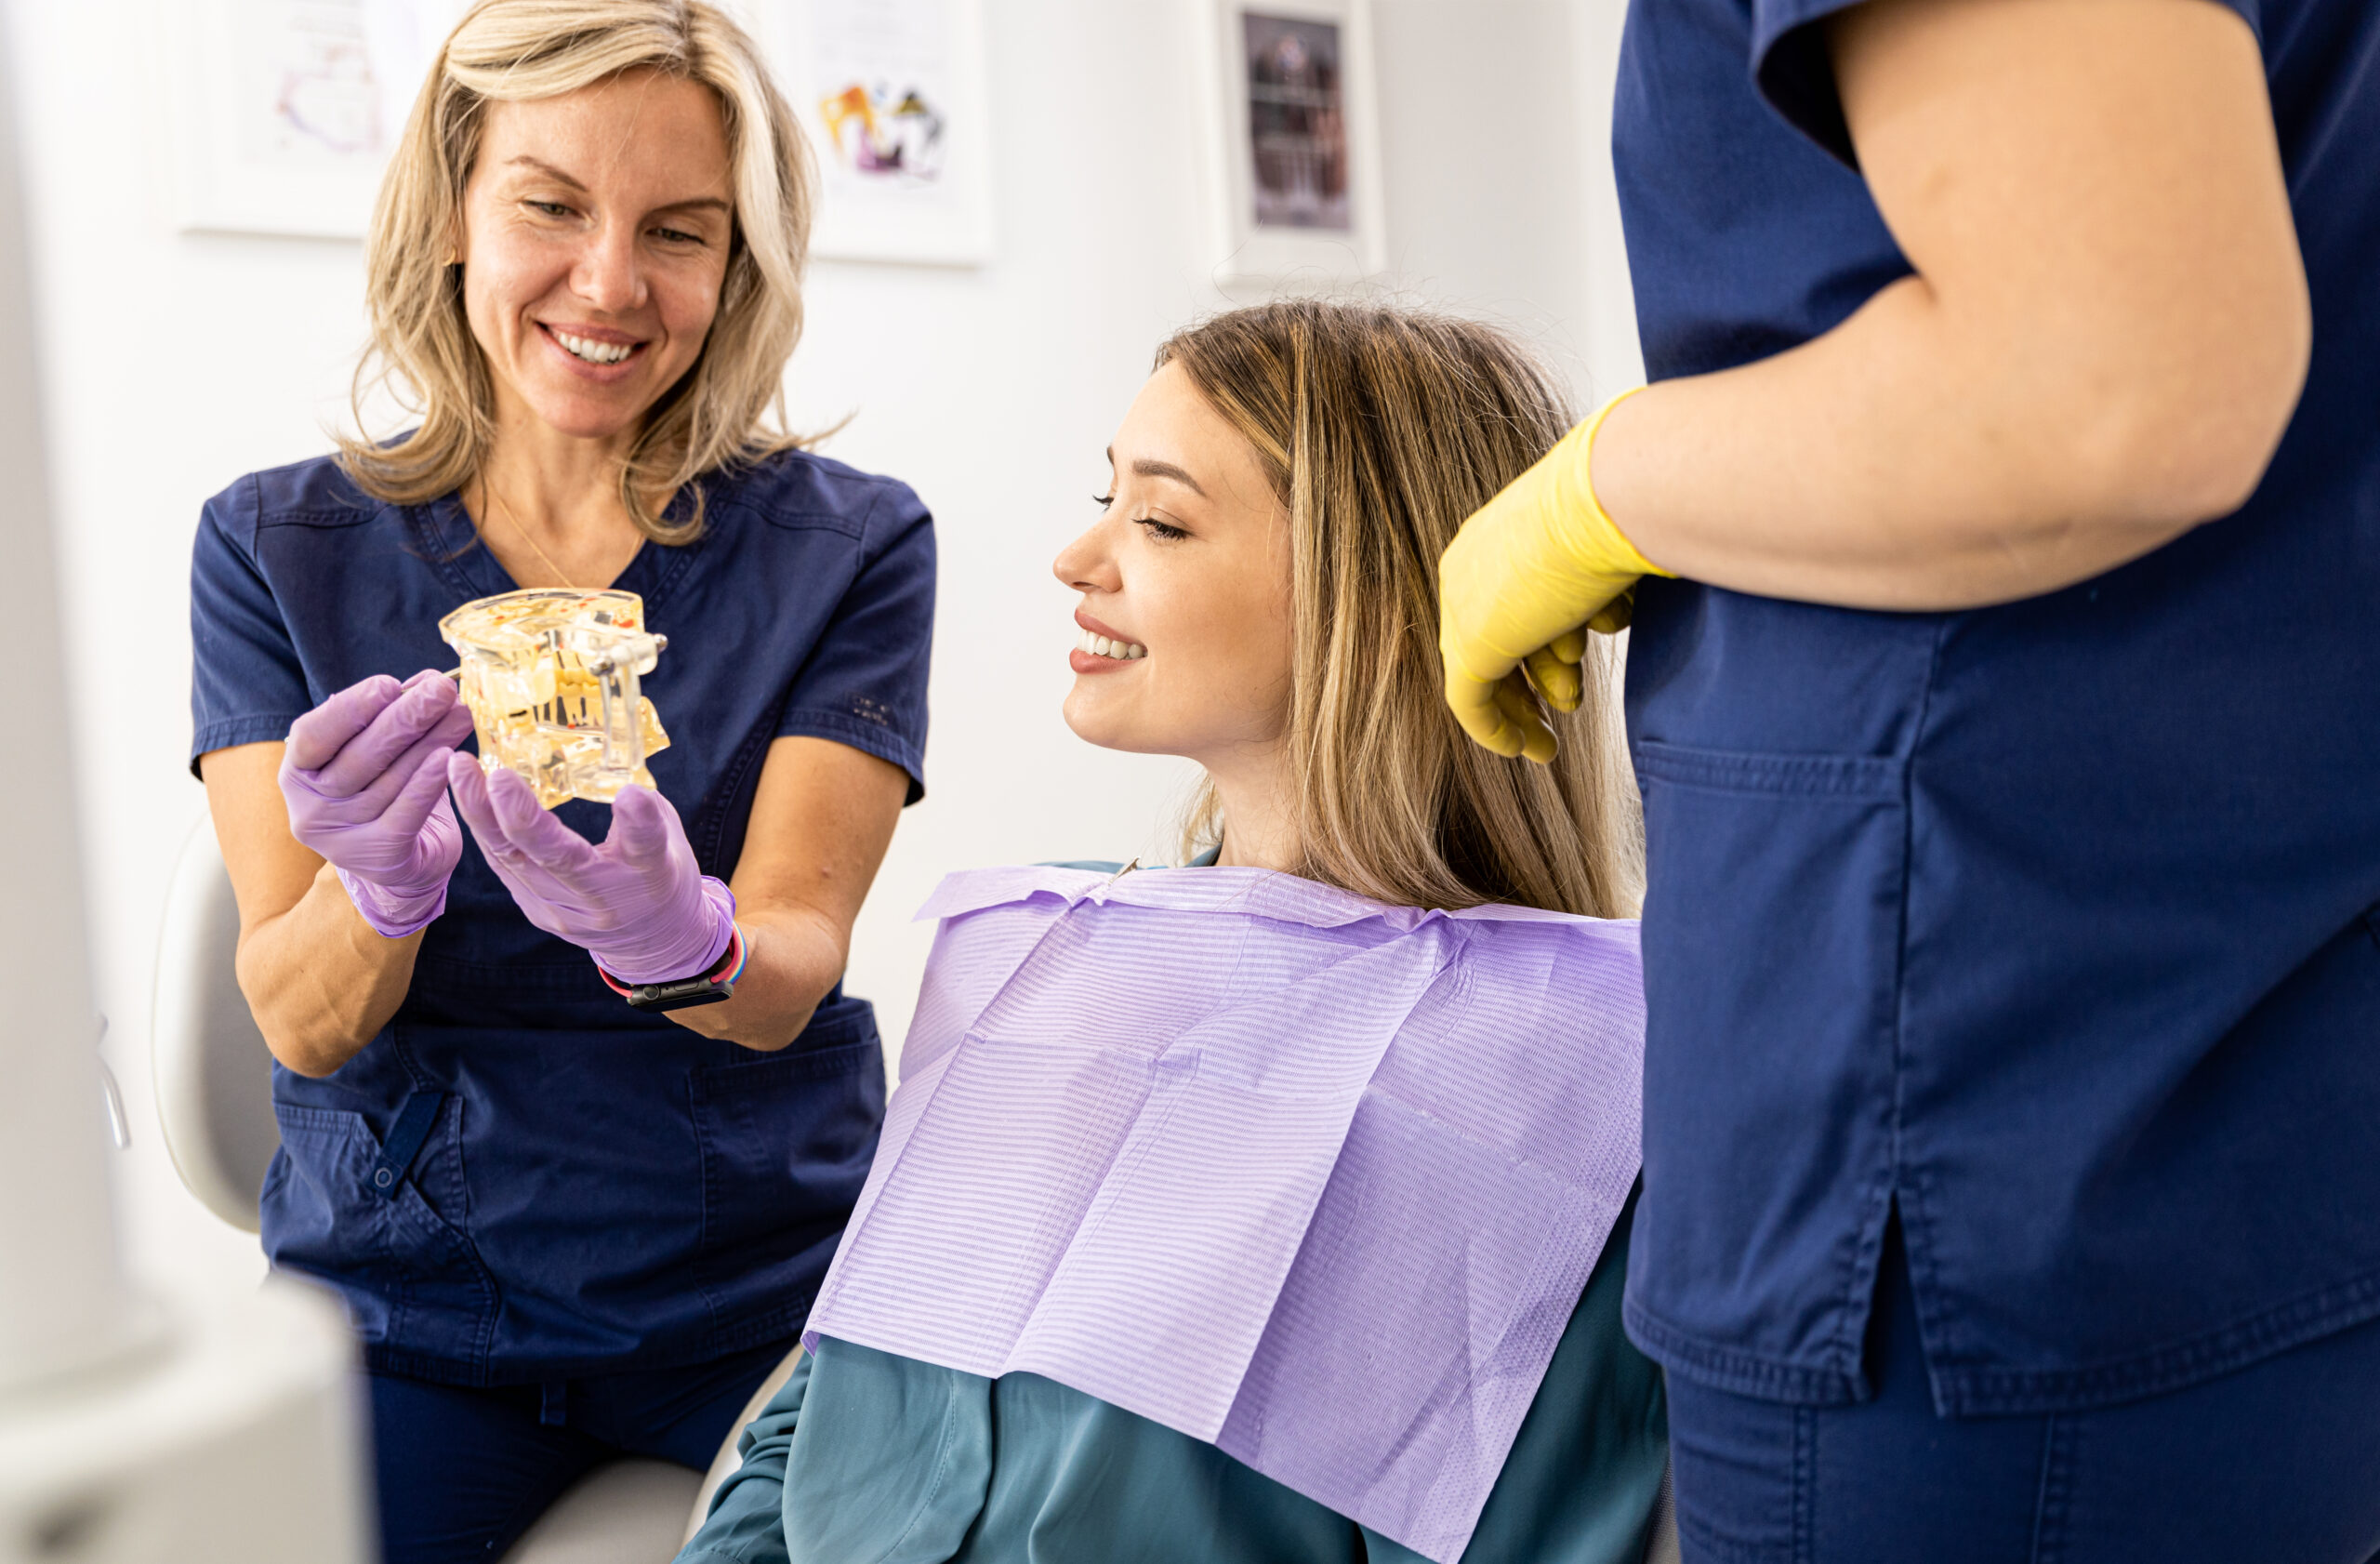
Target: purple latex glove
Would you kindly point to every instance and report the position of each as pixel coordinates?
(365, 777)
(637, 903)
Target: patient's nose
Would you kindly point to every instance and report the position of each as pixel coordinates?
(1086, 564)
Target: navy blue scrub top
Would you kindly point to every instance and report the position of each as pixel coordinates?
(520, 1178)
(2052, 923)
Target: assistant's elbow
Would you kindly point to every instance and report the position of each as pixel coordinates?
(2188, 439)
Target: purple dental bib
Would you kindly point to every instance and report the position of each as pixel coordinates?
(1313, 1178)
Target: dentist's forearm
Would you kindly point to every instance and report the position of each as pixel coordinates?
(822, 817)
(319, 981)
(793, 960)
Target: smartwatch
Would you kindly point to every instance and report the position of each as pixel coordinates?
(684, 993)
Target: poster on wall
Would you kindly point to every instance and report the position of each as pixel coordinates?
(1292, 142)
(892, 95)
(286, 111)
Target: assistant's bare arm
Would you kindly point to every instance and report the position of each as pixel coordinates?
(2102, 341)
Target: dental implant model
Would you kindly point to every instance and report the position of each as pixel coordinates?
(552, 679)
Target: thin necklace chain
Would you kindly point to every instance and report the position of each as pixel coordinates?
(497, 501)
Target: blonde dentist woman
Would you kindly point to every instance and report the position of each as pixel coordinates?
(566, 1227)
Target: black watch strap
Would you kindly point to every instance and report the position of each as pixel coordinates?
(684, 993)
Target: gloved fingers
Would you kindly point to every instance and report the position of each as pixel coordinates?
(1614, 617)
(424, 790)
(453, 727)
(318, 736)
(474, 795)
(469, 786)
(645, 829)
(532, 831)
(1557, 677)
(374, 800)
(427, 706)
(1474, 705)
(1519, 709)
(534, 892)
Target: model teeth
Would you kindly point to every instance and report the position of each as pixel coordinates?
(594, 352)
(1098, 646)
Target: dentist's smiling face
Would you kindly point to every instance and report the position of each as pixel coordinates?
(595, 238)
(1183, 625)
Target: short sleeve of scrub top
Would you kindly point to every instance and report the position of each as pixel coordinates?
(1788, 62)
(862, 679)
(247, 684)
(2053, 926)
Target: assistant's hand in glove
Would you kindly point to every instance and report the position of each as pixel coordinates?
(638, 902)
(365, 777)
(1530, 574)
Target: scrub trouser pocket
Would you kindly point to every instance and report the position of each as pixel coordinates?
(2278, 1463)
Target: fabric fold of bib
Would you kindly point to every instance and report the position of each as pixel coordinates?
(1314, 1178)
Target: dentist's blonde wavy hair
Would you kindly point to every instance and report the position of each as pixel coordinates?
(1382, 428)
(729, 407)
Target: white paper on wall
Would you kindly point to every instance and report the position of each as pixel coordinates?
(890, 93)
(286, 111)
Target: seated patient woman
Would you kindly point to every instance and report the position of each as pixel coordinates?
(1236, 1211)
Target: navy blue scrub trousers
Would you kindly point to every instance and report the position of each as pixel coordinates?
(462, 1473)
(2278, 1463)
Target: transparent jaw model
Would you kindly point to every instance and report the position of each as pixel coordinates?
(550, 677)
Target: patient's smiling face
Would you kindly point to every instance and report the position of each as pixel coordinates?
(1183, 625)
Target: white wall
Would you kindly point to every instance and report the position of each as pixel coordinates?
(172, 363)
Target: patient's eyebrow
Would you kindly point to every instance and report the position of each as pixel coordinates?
(1147, 467)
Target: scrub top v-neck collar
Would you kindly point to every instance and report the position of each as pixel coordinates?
(456, 549)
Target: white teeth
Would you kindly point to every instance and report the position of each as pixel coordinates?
(1099, 645)
(594, 352)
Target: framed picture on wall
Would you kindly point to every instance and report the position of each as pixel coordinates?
(892, 95)
(1293, 138)
(286, 111)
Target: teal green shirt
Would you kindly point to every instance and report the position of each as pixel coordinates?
(869, 1458)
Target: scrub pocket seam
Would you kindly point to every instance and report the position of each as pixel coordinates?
(1880, 777)
(2059, 1433)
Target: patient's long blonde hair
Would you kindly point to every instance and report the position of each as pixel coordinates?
(1380, 430)
(730, 404)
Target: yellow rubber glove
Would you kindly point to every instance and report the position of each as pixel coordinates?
(1530, 574)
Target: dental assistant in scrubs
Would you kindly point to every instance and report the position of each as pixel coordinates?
(2003, 691)
(566, 1227)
